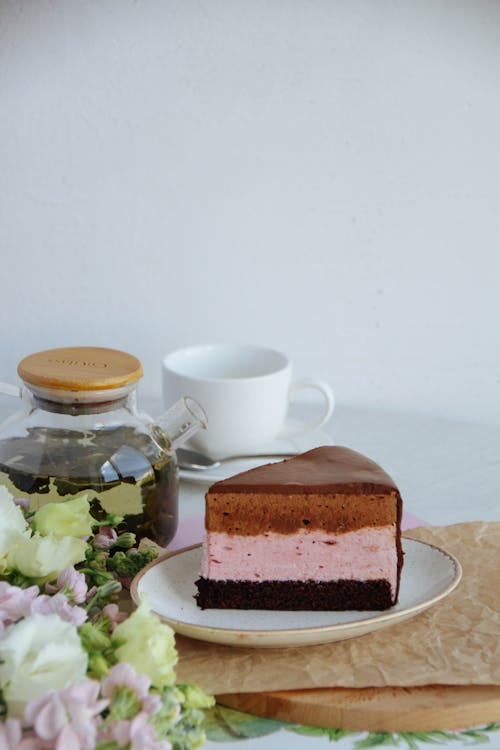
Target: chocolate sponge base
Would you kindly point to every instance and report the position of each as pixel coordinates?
(294, 595)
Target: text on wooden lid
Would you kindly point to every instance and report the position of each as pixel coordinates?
(80, 368)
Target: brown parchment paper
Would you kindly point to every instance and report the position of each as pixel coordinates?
(455, 642)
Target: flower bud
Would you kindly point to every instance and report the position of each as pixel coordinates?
(125, 540)
(98, 666)
(92, 638)
(105, 538)
(109, 588)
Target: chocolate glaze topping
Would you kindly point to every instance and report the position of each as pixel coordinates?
(331, 468)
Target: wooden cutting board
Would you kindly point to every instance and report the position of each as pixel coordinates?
(428, 708)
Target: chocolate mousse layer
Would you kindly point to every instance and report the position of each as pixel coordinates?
(249, 514)
(330, 488)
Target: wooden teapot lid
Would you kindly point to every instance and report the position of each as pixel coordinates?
(85, 368)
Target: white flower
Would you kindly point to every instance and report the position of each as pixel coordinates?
(13, 527)
(148, 644)
(38, 654)
(43, 557)
(68, 518)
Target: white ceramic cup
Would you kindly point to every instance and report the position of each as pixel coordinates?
(245, 391)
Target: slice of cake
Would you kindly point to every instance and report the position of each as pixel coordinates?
(319, 531)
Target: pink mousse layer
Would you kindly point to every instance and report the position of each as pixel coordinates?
(363, 555)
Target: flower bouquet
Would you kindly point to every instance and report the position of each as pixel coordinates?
(77, 672)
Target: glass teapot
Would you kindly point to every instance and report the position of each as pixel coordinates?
(79, 430)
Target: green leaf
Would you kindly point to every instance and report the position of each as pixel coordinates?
(310, 731)
(493, 727)
(216, 728)
(226, 725)
(223, 724)
(306, 730)
(378, 739)
(411, 740)
(476, 735)
(433, 738)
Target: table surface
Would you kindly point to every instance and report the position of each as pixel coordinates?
(447, 472)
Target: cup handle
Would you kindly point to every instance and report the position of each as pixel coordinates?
(328, 407)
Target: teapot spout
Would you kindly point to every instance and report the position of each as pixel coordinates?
(182, 420)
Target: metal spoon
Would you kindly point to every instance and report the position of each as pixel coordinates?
(192, 460)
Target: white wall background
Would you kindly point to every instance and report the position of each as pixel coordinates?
(318, 176)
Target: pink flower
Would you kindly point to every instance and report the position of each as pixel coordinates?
(10, 734)
(112, 612)
(137, 734)
(12, 737)
(67, 719)
(72, 583)
(15, 602)
(58, 604)
(123, 675)
(22, 502)
(105, 538)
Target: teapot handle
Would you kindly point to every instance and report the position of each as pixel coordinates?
(10, 390)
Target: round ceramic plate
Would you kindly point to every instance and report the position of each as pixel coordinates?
(429, 574)
(284, 446)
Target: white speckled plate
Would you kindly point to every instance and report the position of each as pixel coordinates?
(429, 574)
